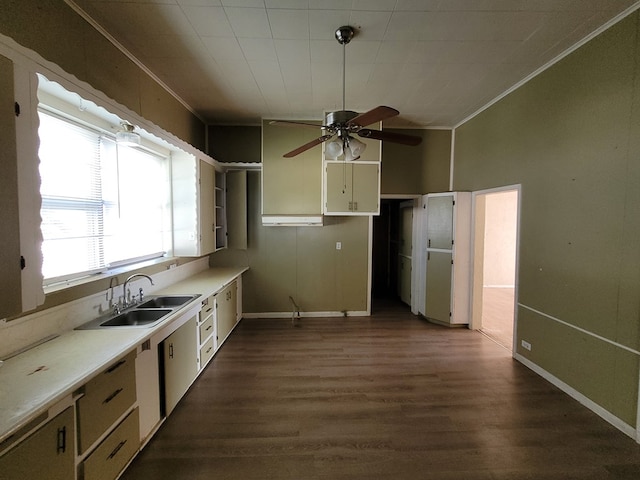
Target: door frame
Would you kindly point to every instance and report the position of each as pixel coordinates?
(475, 304)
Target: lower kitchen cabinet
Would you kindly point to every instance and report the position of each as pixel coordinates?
(180, 362)
(46, 454)
(105, 399)
(112, 455)
(226, 310)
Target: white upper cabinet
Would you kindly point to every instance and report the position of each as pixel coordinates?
(353, 187)
(194, 228)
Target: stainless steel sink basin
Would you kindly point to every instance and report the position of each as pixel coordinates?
(153, 310)
(167, 301)
(135, 318)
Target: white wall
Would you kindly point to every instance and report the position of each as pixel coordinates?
(500, 239)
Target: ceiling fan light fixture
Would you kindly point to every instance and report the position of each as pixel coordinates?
(356, 147)
(333, 149)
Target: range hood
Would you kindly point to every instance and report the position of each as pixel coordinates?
(292, 220)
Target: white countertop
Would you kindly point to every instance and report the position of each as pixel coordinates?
(35, 380)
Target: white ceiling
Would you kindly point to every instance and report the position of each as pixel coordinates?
(437, 61)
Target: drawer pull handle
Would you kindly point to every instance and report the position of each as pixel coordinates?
(112, 396)
(116, 450)
(209, 327)
(116, 366)
(171, 350)
(62, 440)
(208, 349)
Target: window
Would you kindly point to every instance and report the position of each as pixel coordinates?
(103, 204)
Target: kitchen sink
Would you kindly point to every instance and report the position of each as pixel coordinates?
(134, 318)
(167, 301)
(146, 314)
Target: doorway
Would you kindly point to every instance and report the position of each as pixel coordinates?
(495, 246)
(391, 253)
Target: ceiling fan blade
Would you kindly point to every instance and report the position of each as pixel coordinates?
(388, 136)
(291, 123)
(373, 116)
(307, 146)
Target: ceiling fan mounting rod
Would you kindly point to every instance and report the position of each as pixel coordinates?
(344, 35)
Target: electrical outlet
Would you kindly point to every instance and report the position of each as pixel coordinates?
(526, 345)
(338, 245)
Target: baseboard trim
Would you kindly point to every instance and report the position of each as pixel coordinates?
(572, 392)
(266, 315)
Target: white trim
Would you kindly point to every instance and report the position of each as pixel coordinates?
(34, 63)
(582, 330)
(452, 160)
(287, 315)
(553, 61)
(572, 392)
(474, 195)
(399, 196)
(370, 260)
(130, 56)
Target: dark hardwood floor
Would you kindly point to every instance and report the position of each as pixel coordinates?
(387, 396)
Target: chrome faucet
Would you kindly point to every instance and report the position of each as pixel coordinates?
(125, 304)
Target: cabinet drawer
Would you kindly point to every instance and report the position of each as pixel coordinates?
(206, 328)
(115, 451)
(206, 352)
(106, 398)
(207, 307)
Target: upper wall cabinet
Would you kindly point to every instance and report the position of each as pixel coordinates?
(291, 187)
(209, 207)
(21, 254)
(194, 215)
(353, 187)
(236, 208)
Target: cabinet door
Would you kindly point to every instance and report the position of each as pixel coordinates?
(365, 186)
(11, 278)
(404, 279)
(207, 208)
(237, 209)
(440, 222)
(47, 453)
(226, 313)
(339, 191)
(180, 355)
(406, 230)
(438, 289)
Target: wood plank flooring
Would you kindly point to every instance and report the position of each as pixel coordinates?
(497, 314)
(386, 396)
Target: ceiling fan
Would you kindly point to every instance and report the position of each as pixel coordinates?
(341, 125)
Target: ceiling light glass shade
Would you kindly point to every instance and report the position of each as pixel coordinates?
(333, 149)
(127, 136)
(357, 147)
(129, 139)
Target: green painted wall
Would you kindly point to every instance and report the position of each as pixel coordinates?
(571, 137)
(417, 170)
(301, 261)
(238, 143)
(59, 35)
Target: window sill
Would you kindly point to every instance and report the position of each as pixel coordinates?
(113, 272)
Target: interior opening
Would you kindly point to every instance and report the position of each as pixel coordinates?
(495, 246)
(391, 262)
